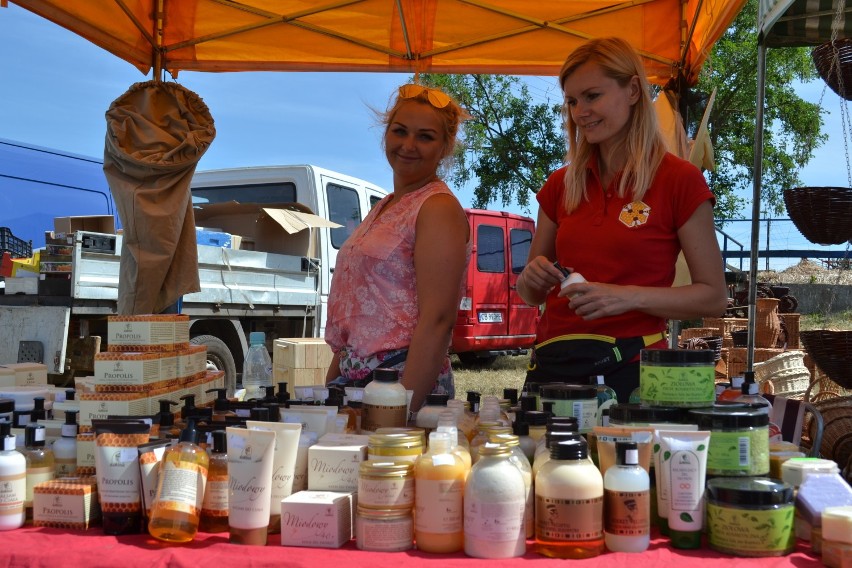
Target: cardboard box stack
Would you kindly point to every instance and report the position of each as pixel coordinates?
(148, 358)
(300, 361)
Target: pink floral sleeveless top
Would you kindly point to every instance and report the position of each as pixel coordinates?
(372, 305)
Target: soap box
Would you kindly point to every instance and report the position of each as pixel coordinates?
(192, 362)
(837, 524)
(334, 461)
(317, 518)
(85, 451)
(67, 503)
(26, 374)
(836, 554)
(163, 332)
(102, 405)
(140, 370)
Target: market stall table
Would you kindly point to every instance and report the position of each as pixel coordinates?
(50, 548)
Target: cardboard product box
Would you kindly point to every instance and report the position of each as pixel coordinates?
(66, 503)
(333, 462)
(301, 352)
(321, 519)
(85, 451)
(102, 405)
(142, 333)
(93, 223)
(172, 392)
(192, 361)
(211, 380)
(128, 368)
(29, 374)
(282, 228)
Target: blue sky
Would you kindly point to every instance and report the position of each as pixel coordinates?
(55, 88)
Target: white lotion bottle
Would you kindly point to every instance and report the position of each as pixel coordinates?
(627, 502)
(13, 481)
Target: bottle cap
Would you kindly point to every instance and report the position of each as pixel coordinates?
(386, 375)
(189, 434)
(535, 418)
(283, 394)
(220, 442)
(259, 413)
(38, 412)
(167, 419)
(257, 338)
(685, 539)
(270, 393)
(70, 394)
(571, 449)
(626, 453)
(512, 395)
(69, 429)
(34, 435)
(521, 428)
(473, 397)
(437, 399)
(20, 418)
(552, 438)
(528, 402)
(547, 407)
(750, 388)
(7, 440)
(188, 405)
(274, 410)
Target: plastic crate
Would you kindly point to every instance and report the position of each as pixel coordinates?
(17, 248)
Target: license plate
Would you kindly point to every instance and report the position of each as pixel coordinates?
(491, 317)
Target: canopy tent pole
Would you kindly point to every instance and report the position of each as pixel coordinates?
(158, 40)
(755, 206)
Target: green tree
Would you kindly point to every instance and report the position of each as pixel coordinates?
(792, 125)
(511, 143)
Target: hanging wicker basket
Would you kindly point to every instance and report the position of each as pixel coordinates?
(832, 353)
(822, 214)
(837, 73)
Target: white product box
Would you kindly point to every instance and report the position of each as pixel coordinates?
(333, 462)
(317, 518)
(26, 374)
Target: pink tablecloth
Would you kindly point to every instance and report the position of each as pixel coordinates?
(54, 548)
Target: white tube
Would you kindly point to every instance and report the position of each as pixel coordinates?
(283, 465)
(661, 477)
(250, 457)
(319, 419)
(684, 456)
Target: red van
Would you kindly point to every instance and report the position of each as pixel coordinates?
(493, 319)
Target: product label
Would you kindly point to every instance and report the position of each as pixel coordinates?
(36, 475)
(569, 519)
(384, 416)
(753, 532)
(384, 535)
(627, 513)
(13, 489)
(58, 508)
(215, 502)
(677, 386)
(117, 467)
(380, 493)
(65, 466)
(684, 476)
(494, 521)
(439, 507)
(181, 486)
(745, 453)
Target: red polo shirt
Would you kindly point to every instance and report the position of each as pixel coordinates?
(614, 240)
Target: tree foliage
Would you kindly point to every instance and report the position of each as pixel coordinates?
(792, 126)
(513, 143)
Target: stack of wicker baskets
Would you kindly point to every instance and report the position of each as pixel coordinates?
(784, 374)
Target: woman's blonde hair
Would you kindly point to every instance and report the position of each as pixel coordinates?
(644, 145)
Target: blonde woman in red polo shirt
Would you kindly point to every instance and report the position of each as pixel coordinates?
(618, 213)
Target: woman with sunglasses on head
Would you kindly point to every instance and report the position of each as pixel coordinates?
(398, 279)
(618, 213)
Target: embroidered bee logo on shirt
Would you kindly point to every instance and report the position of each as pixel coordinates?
(635, 214)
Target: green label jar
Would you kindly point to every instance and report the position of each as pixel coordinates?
(579, 401)
(739, 440)
(750, 516)
(677, 377)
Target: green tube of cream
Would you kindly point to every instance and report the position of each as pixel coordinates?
(661, 475)
(684, 457)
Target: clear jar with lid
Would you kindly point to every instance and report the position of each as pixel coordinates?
(579, 401)
(739, 440)
(384, 530)
(677, 377)
(750, 516)
(642, 415)
(399, 446)
(412, 430)
(386, 484)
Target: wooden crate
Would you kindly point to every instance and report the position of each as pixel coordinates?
(298, 377)
(301, 353)
(735, 358)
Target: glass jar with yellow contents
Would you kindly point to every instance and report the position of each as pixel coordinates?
(386, 484)
(397, 446)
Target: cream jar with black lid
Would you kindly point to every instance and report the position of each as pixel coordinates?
(750, 516)
(677, 377)
(739, 440)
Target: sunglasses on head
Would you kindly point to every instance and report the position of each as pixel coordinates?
(435, 97)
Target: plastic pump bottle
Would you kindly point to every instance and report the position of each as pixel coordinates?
(257, 368)
(214, 509)
(175, 514)
(65, 448)
(39, 461)
(439, 484)
(751, 395)
(627, 503)
(13, 468)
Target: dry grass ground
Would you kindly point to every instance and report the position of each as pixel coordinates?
(505, 372)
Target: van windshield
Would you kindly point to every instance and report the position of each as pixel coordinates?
(280, 192)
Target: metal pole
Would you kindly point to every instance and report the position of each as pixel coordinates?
(768, 223)
(755, 206)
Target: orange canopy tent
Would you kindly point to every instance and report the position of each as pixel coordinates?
(521, 37)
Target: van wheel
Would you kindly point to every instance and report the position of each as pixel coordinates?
(219, 358)
(473, 359)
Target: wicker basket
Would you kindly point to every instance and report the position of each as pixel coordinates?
(835, 71)
(693, 332)
(837, 417)
(822, 214)
(735, 358)
(791, 383)
(791, 324)
(785, 361)
(832, 352)
(724, 326)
